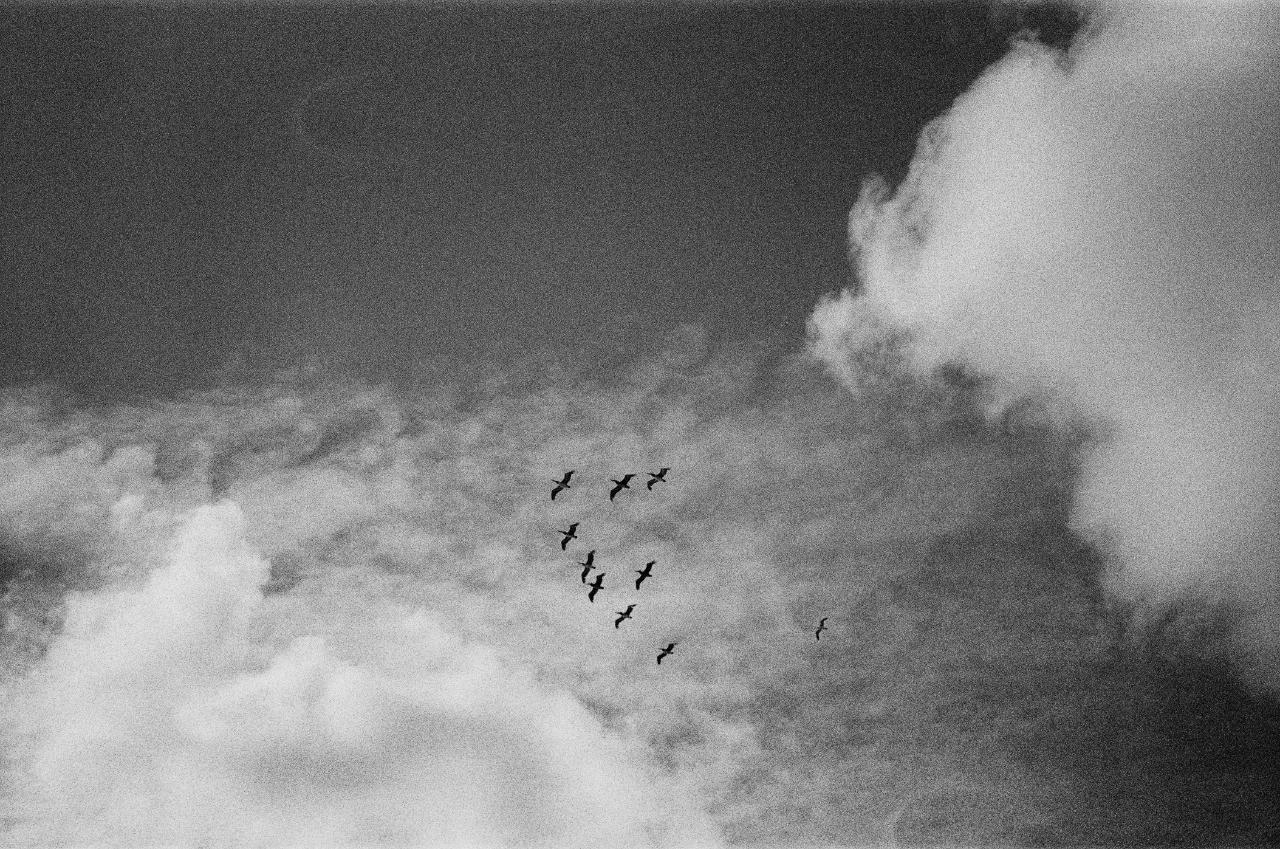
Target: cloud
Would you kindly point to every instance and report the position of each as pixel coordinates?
(1102, 223)
(334, 614)
(155, 717)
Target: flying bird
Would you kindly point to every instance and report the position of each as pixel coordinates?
(625, 483)
(586, 567)
(623, 614)
(563, 483)
(572, 533)
(822, 626)
(670, 648)
(591, 558)
(596, 587)
(659, 476)
(644, 573)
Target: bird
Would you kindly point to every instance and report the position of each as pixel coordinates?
(822, 626)
(659, 476)
(644, 573)
(586, 567)
(596, 587)
(625, 483)
(563, 483)
(591, 558)
(572, 533)
(623, 614)
(670, 648)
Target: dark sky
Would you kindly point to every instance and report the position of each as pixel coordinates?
(379, 185)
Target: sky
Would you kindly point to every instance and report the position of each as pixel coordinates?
(956, 340)
(373, 185)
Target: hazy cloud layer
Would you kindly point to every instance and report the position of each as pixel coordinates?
(1103, 223)
(333, 614)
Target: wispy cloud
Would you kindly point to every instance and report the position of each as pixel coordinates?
(418, 624)
(341, 615)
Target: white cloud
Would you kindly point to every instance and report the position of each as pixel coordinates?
(1104, 222)
(152, 720)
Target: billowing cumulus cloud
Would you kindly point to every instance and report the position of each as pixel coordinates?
(161, 715)
(1101, 224)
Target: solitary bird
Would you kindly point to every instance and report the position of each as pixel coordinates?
(659, 476)
(822, 626)
(623, 614)
(619, 486)
(596, 587)
(670, 648)
(563, 483)
(572, 533)
(644, 573)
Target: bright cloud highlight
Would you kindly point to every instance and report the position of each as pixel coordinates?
(1101, 223)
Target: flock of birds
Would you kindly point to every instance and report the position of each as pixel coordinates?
(588, 565)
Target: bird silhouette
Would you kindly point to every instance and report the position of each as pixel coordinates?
(572, 533)
(563, 483)
(670, 648)
(591, 558)
(623, 614)
(620, 485)
(644, 573)
(822, 626)
(659, 476)
(596, 587)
